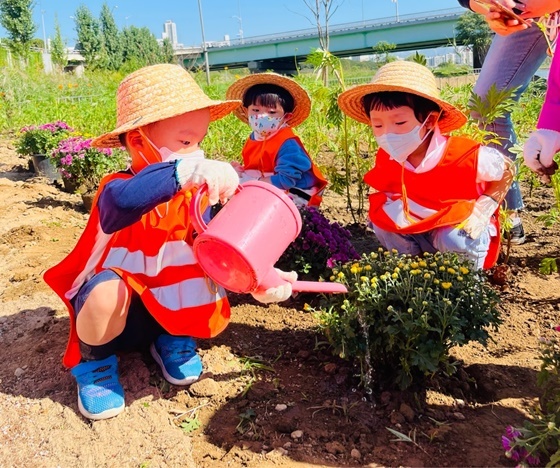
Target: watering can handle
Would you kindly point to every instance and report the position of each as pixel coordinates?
(194, 210)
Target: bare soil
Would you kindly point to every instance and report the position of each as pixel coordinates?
(300, 407)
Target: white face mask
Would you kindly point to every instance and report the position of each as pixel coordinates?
(401, 146)
(167, 155)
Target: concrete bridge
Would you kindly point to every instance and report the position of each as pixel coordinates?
(281, 52)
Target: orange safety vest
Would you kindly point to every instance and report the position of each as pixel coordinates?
(442, 196)
(155, 258)
(261, 155)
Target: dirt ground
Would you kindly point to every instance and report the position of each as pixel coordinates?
(272, 394)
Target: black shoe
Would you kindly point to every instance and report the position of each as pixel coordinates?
(516, 235)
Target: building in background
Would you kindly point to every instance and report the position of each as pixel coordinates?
(170, 32)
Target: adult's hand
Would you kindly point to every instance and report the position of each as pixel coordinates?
(497, 21)
(539, 151)
(537, 8)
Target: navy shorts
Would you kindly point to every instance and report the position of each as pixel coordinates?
(141, 327)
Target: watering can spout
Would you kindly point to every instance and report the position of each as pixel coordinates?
(273, 280)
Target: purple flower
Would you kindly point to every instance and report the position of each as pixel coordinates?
(515, 452)
(320, 245)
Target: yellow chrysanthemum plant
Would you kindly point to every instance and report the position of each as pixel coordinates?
(403, 314)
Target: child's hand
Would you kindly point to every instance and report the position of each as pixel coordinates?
(221, 178)
(238, 167)
(479, 219)
(279, 293)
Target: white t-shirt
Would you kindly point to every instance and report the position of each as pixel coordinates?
(491, 163)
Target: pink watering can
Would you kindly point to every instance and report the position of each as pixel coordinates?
(240, 245)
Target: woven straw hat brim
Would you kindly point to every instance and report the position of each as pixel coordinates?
(156, 93)
(407, 77)
(302, 102)
(218, 110)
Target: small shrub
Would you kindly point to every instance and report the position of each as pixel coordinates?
(319, 246)
(402, 314)
(85, 165)
(41, 139)
(540, 438)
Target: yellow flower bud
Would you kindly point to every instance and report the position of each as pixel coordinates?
(446, 285)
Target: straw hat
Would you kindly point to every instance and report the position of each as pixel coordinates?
(155, 93)
(404, 76)
(302, 102)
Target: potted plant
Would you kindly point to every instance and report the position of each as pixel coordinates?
(83, 166)
(38, 141)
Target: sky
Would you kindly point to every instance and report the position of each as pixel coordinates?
(220, 17)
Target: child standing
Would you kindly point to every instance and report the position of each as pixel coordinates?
(272, 106)
(432, 192)
(132, 279)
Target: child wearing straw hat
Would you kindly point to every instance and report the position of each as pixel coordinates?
(132, 279)
(272, 106)
(431, 192)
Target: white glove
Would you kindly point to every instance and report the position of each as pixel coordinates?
(279, 293)
(539, 151)
(480, 217)
(221, 178)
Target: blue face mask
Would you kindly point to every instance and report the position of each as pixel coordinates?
(264, 125)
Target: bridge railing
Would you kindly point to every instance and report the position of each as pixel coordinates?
(366, 24)
(453, 80)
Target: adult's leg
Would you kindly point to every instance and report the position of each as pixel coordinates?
(510, 63)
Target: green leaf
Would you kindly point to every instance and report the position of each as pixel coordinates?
(190, 425)
(548, 266)
(400, 436)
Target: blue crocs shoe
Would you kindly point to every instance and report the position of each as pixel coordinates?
(100, 394)
(177, 358)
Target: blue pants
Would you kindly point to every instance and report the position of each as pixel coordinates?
(446, 239)
(510, 63)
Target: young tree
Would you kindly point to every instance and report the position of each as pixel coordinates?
(16, 18)
(167, 55)
(89, 38)
(140, 47)
(382, 51)
(322, 11)
(474, 32)
(58, 47)
(418, 58)
(112, 39)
